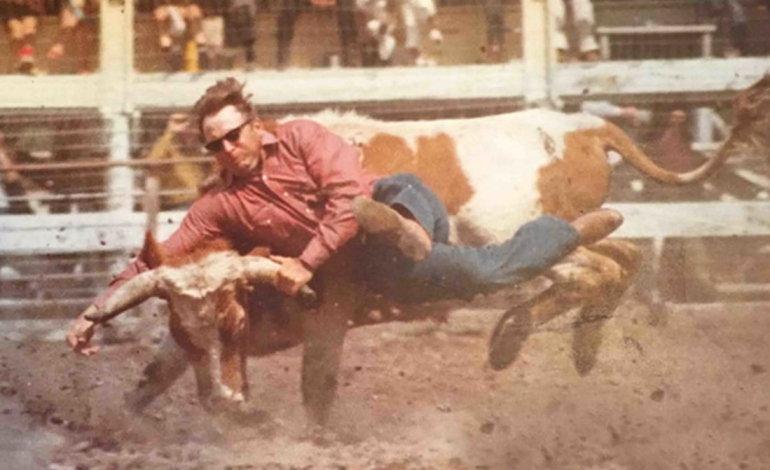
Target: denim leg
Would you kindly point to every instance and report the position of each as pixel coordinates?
(452, 272)
(409, 192)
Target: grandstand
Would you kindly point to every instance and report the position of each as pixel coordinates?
(97, 196)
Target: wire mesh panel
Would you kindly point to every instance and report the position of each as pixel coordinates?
(30, 285)
(53, 138)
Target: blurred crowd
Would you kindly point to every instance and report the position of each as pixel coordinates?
(196, 35)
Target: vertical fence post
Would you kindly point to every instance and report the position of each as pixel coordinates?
(116, 59)
(121, 179)
(706, 45)
(539, 55)
(703, 126)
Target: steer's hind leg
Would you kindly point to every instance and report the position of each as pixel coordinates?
(588, 336)
(168, 364)
(518, 323)
(595, 277)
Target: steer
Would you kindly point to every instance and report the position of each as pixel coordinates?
(493, 175)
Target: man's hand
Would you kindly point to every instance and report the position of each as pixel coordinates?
(80, 334)
(292, 275)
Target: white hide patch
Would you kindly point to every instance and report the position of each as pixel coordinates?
(193, 292)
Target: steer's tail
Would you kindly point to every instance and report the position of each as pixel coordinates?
(618, 141)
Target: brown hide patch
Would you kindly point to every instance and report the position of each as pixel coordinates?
(203, 249)
(152, 252)
(436, 163)
(579, 182)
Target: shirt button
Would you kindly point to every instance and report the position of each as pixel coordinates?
(264, 178)
(269, 222)
(307, 210)
(286, 194)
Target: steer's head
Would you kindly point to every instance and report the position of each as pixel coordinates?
(206, 315)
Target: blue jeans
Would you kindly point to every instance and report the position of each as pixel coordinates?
(453, 271)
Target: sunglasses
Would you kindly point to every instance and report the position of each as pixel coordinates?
(216, 146)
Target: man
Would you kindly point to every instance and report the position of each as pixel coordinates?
(179, 32)
(574, 28)
(301, 190)
(21, 19)
(290, 10)
(180, 140)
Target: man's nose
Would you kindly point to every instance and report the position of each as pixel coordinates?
(227, 145)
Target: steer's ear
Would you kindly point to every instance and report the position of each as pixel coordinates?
(152, 253)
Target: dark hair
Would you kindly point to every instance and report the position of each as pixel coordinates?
(227, 92)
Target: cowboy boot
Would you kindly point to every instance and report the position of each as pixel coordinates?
(384, 222)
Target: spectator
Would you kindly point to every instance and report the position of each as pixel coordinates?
(417, 15)
(213, 29)
(27, 195)
(675, 143)
(574, 30)
(734, 16)
(241, 28)
(379, 42)
(494, 11)
(289, 10)
(380, 18)
(629, 118)
(179, 141)
(21, 20)
(181, 35)
(78, 22)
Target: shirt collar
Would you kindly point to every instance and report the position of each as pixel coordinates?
(268, 139)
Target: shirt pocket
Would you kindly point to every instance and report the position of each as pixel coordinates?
(297, 191)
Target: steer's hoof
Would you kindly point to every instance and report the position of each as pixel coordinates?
(508, 337)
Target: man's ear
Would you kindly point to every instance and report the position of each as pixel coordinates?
(258, 124)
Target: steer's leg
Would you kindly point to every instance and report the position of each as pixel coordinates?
(602, 271)
(169, 363)
(518, 323)
(323, 332)
(587, 336)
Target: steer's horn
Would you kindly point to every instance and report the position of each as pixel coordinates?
(262, 270)
(132, 293)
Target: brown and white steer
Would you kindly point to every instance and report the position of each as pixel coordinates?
(493, 174)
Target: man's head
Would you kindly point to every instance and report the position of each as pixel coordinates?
(230, 128)
(183, 130)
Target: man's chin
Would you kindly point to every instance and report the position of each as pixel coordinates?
(244, 171)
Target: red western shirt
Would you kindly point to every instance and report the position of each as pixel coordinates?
(298, 204)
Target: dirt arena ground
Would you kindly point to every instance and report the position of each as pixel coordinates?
(687, 391)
